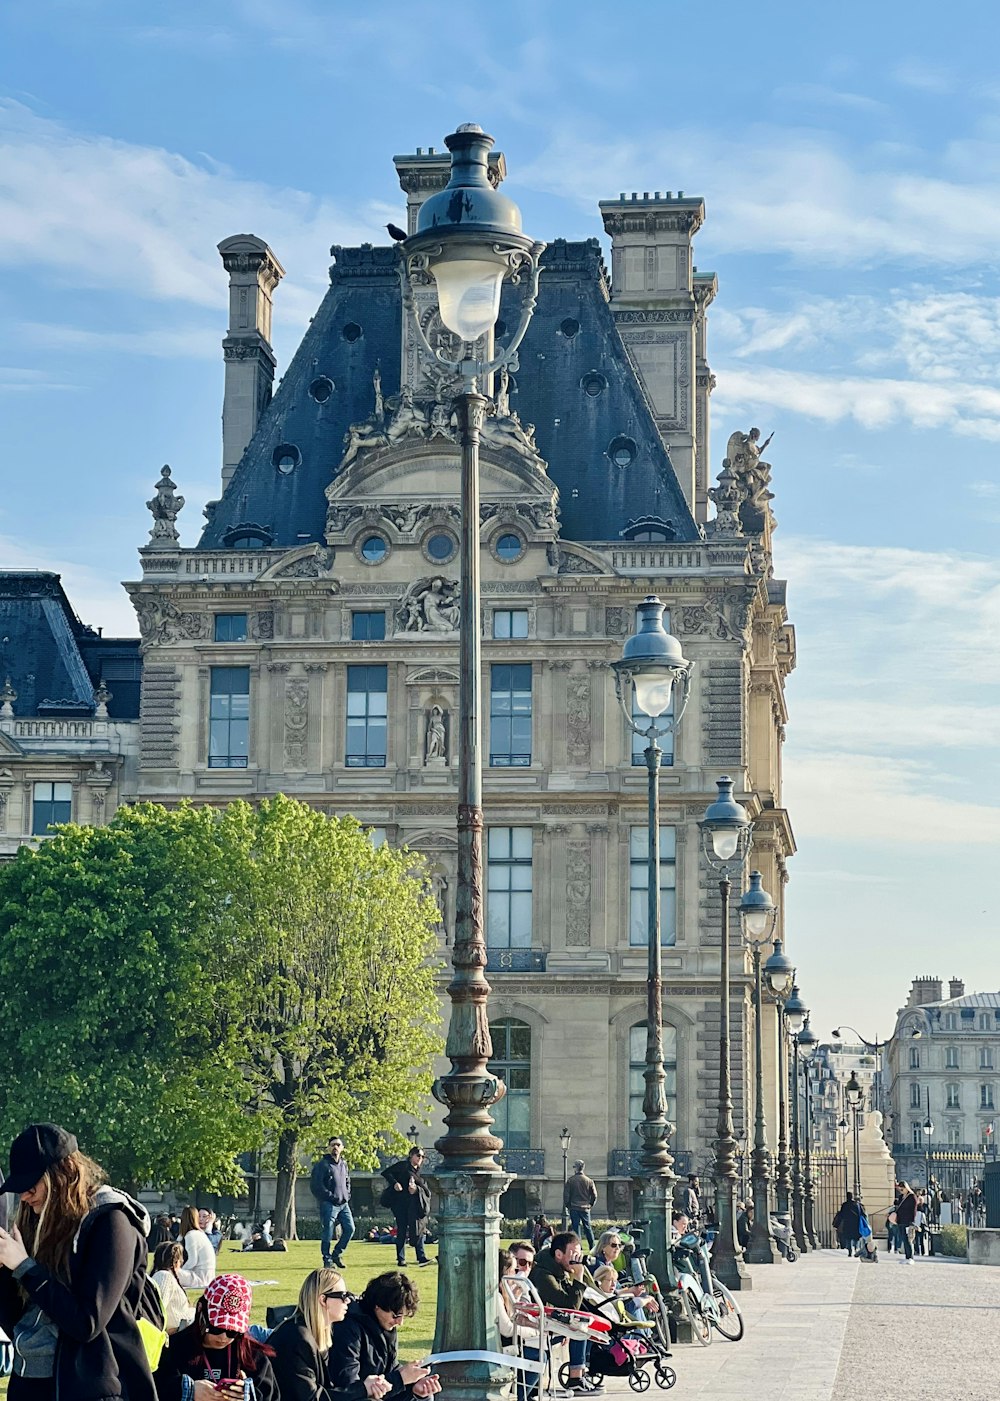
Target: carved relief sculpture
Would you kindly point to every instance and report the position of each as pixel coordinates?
(578, 862)
(429, 605)
(578, 719)
(296, 722)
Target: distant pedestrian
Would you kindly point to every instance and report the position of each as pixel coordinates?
(579, 1197)
(408, 1197)
(689, 1200)
(199, 1257)
(905, 1214)
(847, 1224)
(331, 1186)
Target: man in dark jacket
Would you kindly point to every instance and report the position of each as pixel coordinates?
(364, 1344)
(847, 1224)
(579, 1196)
(561, 1279)
(330, 1181)
(408, 1197)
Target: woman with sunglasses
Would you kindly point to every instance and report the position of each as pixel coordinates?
(302, 1345)
(364, 1345)
(213, 1358)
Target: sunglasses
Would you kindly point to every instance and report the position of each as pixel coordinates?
(230, 1333)
(342, 1294)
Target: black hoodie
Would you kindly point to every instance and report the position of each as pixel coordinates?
(99, 1352)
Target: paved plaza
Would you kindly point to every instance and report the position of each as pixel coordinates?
(828, 1329)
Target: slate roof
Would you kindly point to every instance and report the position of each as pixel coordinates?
(571, 342)
(972, 999)
(55, 661)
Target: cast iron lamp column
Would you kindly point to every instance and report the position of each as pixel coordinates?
(798, 1218)
(468, 241)
(877, 1047)
(928, 1128)
(565, 1139)
(726, 836)
(787, 1020)
(853, 1093)
(759, 916)
(650, 667)
(808, 1041)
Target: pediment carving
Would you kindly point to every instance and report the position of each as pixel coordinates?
(433, 675)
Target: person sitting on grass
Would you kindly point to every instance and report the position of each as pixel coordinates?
(365, 1344)
(302, 1345)
(215, 1355)
(178, 1312)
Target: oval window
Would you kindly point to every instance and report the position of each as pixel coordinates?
(351, 332)
(374, 549)
(622, 451)
(440, 547)
(509, 547)
(594, 384)
(570, 328)
(286, 457)
(321, 389)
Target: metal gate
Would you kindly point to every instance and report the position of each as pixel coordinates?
(829, 1178)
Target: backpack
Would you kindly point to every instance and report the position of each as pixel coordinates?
(148, 1314)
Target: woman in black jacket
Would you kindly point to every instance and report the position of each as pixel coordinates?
(212, 1358)
(72, 1277)
(364, 1345)
(302, 1345)
(906, 1210)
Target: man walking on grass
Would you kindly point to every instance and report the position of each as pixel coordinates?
(330, 1181)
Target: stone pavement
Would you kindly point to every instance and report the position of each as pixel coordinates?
(824, 1329)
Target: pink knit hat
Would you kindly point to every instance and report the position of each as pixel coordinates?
(227, 1300)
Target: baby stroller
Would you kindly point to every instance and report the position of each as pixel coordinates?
(628, 1350)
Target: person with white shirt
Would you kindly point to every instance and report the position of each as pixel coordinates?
(199, 1257)
(178, 1312)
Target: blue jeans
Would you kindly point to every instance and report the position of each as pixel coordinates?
(579, 1221)
(528, 1382)
(329, 1215)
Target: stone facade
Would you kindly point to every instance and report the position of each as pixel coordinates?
(308, 645)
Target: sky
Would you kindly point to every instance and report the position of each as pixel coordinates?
(849, 158)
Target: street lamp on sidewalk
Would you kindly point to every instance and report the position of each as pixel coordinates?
(854, 1094)
(791, 1011)
(759, 915)
(808, 1041)
(877, 1048)
(928, 1128)
(653, 681)
(468, 242)
(726, 836)
(565, 1139)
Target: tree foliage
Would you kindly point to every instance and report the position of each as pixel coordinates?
(183, 986)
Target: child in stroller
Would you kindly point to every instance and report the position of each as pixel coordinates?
(632, 1343)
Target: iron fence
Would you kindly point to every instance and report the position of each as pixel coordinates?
(829, 1176)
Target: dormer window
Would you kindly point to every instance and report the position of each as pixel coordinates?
(649, 528)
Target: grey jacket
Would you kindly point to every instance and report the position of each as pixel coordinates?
(580, 1192)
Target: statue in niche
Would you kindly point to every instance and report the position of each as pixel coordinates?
(436, 740)
(502, 397)
(439, 889)
(165, 507)
(429, 605)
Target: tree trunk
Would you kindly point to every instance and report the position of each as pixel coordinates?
(284, 1201)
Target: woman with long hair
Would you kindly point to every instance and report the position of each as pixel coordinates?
(302, 1345)
(72, 1276)
(215, 1355)
(167, 1260)
(199, 1256)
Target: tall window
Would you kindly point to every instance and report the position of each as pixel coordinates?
(510, 622)
(230, 627)
(985, 1058)
(951, 1058)
(665, 741)
(954, 1135)
(229, 718)
(512, 1061)
(367, 709)
(916, 1098)
(508, 887)
(636, 1082)
(986, 1096)
(984, 1021)
(951, 1091)
(914, 1058)
(367, 626)
(638, 899)
(51, 803)
(950, 1021)
(510, 715)
(917, 1134)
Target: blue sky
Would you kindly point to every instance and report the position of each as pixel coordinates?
(850, 163)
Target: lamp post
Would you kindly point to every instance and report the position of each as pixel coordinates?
(928, 1128)
(798, 1216)
(413, 1134)
(650, 668)
(790, 1014)
(759, 915)
(854, 1094)
(807, 1042)
(467, 242)
(877, 1048)
(726, 836)
(565, 1139)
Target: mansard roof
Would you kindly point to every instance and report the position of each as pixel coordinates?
(576, 384)
(53, 660)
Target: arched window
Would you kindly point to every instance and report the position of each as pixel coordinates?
(636, 1083)
(512, 1062)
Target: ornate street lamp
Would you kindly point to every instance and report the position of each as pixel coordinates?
(413, 1134)
(796, 1012)
(759, 915)
(928, 1128)
(565, 1139)
(807, 1043)
(726, 837)
(782, 1181)
(653, 680)
(877, 1047)
(468, 242)
(854, 1094)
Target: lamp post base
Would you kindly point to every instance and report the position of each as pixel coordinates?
(761, 1248)
(467, 1283)
(655, 1205)
(727, 1258)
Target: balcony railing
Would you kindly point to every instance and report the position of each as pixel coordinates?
(515, 961)
(526, 1162)
(627, 1162)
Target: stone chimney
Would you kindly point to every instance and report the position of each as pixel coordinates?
(254, 272)
(924, 991)
(659, 305)
(425, 173)
(956, 988)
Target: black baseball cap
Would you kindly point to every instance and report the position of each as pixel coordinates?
(33, 1152)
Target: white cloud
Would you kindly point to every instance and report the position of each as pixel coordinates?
(95, 598)
(193, 342)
